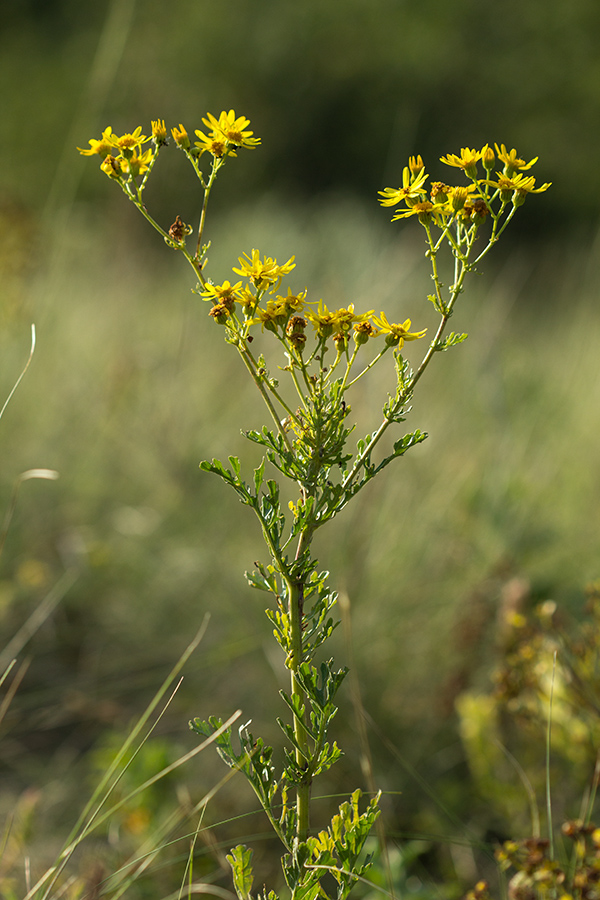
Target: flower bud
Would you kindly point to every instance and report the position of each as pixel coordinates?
(296, 326)
(362, 332)
(460, 196)
(488, 158)
(439, 192)
(180, 136)
(340, 340)
(416, 165)
(219, 313)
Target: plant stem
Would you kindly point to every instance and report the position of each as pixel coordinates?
(296, 614)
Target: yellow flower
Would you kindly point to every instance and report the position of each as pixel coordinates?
(272, 317)
(180, 136)
(344, 318)
(129, 142)
(221, 293)
(138, 163)
(511, 161)
(232, 129)
(215, 144)
(458, 196)
(423, 209)
(396, 334)
(517, 185)
(246, 298)
(263, 273)
(102, 147)
(111, 165)
(467, 160)
(412, 189)
(293, 302)
(322, 320)
(159, 132)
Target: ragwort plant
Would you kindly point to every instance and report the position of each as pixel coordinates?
(320, 354)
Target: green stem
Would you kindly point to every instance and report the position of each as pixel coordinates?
(408, 390)
(296, 614)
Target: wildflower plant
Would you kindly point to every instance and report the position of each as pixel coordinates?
(319, 354)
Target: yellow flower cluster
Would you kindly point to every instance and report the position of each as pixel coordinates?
(471, 203)
(129, 160)
(279, 314)
(226, 134)
(122, 156)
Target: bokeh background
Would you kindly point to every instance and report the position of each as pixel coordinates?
(130, 387)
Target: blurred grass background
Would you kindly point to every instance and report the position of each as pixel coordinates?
(131, 386)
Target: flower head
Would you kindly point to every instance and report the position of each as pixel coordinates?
(411, 191)
(111, 165)
(363, 331)
(265, 273)
(232, 129)
(322, 320)
(214, 144)
(396, 333)
(180, 136)
(423, 209)
(129, 142)
(416, 165)
(439, 192)
(220, 312)
(459, 196)
(475, 210)
(517, 185)
(159, 132)
(344, 318)
(293, 302)
(272, 317)
(467, 161)
(137, 163)
(102, 147)
(511, 161)
(221, 293)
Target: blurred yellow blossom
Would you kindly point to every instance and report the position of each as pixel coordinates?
(102, 147)
(397, 333)
(221, 293)
(511, 161)
(159, 131)
(322, 320)
(138, 163)
(129, 142)
(180, 136)
(344, 318)
(263, 273)
(214, 144)
(232, 129)
(412, 189)
(517, 185)
(467, 161)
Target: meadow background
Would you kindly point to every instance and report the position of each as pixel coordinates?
(131, 386)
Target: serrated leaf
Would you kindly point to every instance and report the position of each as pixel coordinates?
(240, 860)
(258, 476)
